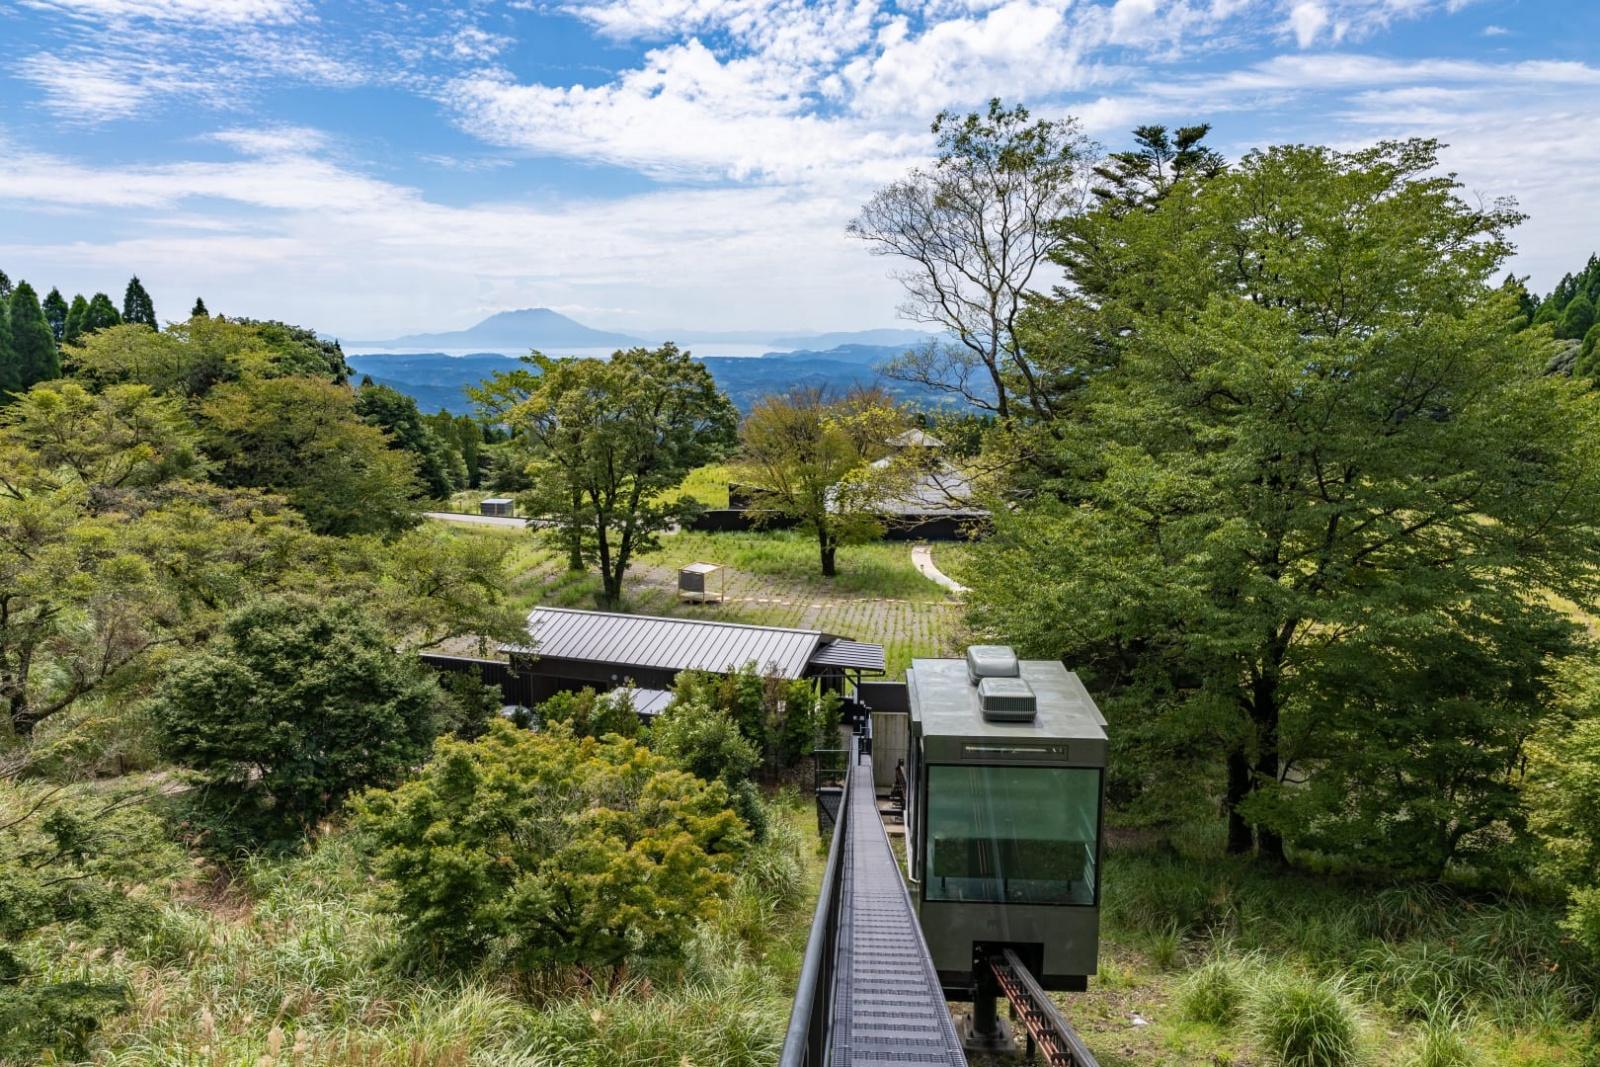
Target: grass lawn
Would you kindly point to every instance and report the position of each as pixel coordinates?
(772, 579)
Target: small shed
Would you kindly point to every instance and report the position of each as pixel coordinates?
(498, 506)
(702, 583)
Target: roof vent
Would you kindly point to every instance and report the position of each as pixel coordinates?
(1007, 700)
(991, 661)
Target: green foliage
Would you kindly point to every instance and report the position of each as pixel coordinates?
(33, 346)
(704, 740)
(1565, 800)
(100, 314)
(55, 310)
(292, 707)
(72, 327)
(137, 307)
(544, 850)
(469, 706)
(194, 357)
(298, 351)
(1577, 318)
(122, 437)
(1260, 527)
(302, 437)
(439, 469)
(783, 720)
(81, 862)
(1304, 1022)
(605, 440)
(589, 714)
(825, 464)
(1214, 992)
(199, 310)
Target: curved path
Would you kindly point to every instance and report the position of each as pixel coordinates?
(922, 559)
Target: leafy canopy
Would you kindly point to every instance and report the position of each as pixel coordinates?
(546, 850)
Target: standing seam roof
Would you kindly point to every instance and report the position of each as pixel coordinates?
(669, 644)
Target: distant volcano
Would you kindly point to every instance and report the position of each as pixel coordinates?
(513, 331)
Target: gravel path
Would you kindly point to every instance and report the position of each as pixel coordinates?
(475, 520)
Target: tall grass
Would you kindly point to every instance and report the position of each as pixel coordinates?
(296, 964)
(1302, 1021)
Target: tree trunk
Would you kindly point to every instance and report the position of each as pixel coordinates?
(1265, 712)
(1239, 838)
(826, 548)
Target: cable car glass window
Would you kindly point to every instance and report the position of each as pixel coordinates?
(1012, 835)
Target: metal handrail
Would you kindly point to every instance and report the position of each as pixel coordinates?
(805, 1042)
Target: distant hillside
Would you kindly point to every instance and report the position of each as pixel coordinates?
(822, 342)
(437, 381)
(516, 331)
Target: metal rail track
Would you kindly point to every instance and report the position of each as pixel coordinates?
(1048, 1030)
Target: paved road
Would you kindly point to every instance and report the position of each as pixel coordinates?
(922, 559)
(475, 520)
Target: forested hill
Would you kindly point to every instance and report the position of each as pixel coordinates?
(436, 380)
(1569, 310)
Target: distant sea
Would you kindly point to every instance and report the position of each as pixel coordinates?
(704, 351)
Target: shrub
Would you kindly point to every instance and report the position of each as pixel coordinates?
(1443, 1043)
(1301, 1021)
(542, 849)
(590, 714)
(1214, 993)
(290, 709)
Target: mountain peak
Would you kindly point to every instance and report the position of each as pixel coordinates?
(516, 330)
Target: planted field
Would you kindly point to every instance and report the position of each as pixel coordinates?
(771, 579)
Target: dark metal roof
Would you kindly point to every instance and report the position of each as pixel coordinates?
(669, 644)
(855, 655)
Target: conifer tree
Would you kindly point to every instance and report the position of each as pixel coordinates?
(33, 348)
(100, 314)
(55, 313)
(77, 311)
(5, 286)
(199, 310)
(137, 307)
(10, 372)
(1576, 318)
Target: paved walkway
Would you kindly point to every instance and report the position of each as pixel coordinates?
(475, 520)
(922, 559)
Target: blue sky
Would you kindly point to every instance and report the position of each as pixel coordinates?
(374, 168)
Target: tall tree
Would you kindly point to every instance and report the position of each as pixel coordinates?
(302, 437)
(55, 313)
(33, 347)
(137, 307)
(1143, 175)
(1576, 318)
(396, 415)
(72, 328)
(824, 464)
(100, 313)
(5, 286)
(10, 369)
(608, 438)
(1326, 451)
(199, 310)
(974, 231)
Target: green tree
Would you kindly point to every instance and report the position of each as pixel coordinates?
(33, 346)
(99, 314)
(298, 350)
(55, 313)
(1289, 481)
(137, 307)
(10, 368)
(302, 437)
(608, 438)
(1145, 174)
(192, 358)
(122, 437)
(824, 464)
(587, 713)
(391, 411)
(1576, 318)
(72, 328)
(547, 851)
(974, 231)
(292, 707)
(199, 310)
(1565, 799)
(5, 286)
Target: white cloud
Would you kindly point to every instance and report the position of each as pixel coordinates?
(188, 11)
(1307, 19)
(272, 140)
(1495, 31)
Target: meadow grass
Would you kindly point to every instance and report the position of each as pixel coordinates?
(295, 963)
